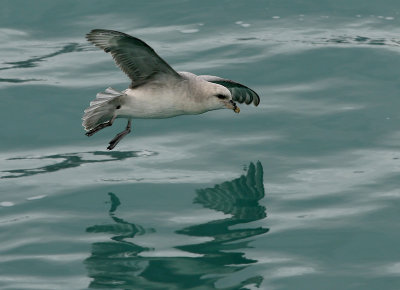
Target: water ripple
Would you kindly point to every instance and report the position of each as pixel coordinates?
(71, 160)
(34, 61)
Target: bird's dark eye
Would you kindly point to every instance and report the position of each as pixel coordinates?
(222, 97)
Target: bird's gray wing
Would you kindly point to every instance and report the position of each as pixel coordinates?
(240, 93)
(135, 58)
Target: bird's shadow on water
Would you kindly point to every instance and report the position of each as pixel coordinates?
(71, 160)
(118, 263)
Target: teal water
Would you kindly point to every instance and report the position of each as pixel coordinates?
(301, 192)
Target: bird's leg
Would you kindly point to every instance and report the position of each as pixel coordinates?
(119, 136)
(100, 126)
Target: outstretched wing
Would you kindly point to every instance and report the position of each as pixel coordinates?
(240, 93)
(135, 58)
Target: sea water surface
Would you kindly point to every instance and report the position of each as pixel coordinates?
(301, 192)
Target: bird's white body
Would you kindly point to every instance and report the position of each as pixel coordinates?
(157, 100)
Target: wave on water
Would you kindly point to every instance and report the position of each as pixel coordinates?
(34, 61)
(283, 35)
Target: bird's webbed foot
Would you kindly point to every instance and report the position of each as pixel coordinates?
(119, 136)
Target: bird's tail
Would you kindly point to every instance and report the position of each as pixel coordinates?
(102, 109)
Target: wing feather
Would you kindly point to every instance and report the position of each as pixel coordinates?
(135, 58)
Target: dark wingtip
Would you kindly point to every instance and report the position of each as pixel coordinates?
(89, 35)
(96, 30)
(93, 37)
(93, 32)
(255, 97)
(256, 100)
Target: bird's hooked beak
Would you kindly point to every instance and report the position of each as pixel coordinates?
(232, 105)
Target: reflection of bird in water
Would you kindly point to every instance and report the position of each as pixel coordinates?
(238, 197)
(121, 229)
(118, 263)
(157, 91)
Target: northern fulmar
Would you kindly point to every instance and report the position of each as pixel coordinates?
(157, 91)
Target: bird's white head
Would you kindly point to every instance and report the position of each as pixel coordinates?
(219, 97)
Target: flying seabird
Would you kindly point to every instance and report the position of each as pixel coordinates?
(157, 90)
